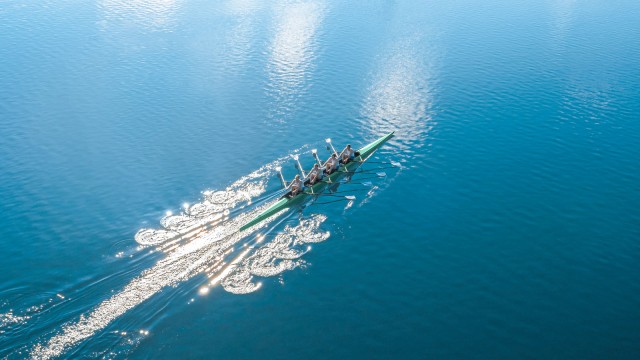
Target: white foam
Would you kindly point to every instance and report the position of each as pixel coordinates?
(281, 254)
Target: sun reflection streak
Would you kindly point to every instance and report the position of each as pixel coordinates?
(180, 265)
(401, 96)
(292, 54)
(194, 255)
(199, 246)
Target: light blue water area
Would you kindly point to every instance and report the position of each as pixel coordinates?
(506, 223)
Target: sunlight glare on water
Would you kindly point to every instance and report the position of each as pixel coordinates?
(200, 251)
(292, 53)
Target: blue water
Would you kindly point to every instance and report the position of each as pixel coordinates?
(509, 227)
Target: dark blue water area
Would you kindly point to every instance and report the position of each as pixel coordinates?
(511, 228)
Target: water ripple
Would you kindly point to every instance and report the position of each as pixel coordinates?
(291, 54)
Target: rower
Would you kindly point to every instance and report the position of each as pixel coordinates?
(296, 186)
(331, 165)
(314, 175)
(347, 154)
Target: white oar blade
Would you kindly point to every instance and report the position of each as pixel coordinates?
(381, 174)
(350, 197)
(367, 183)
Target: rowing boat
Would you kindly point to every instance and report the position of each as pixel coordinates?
(344, 170)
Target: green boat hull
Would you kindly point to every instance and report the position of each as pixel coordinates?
(319, 187)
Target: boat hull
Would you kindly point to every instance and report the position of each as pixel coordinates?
(342, 172)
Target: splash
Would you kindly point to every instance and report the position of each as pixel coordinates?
(8, 319)
(201, 239)
(215, 208)
(193, 241)
(281, 254)
(205, 238)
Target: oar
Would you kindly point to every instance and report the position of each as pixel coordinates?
(314, 152)
(343, 198)
(298, 165)
(328, 140)
(348, 197)
(366, 183)
(392, 163)
(348, 191)
(282, 180)
(367, 178)
(327, 179)
(379, 174)
(379, 168)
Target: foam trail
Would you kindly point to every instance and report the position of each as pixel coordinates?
(197, 241)
(180, 264)
(9, 318)
(281, 254)
(212, 210)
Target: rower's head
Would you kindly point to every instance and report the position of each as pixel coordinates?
(334, 155)
(348, 146)
(315, 166)
(297, 177)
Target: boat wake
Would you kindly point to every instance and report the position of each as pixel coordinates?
(203, 239)
(283, 253)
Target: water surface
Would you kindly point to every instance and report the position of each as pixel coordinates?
(510, 229)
